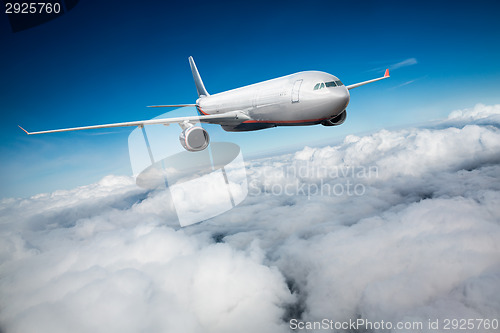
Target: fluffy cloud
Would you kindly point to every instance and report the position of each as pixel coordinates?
(399, 225)
(120, 268)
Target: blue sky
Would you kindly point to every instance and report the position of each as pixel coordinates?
(105, 61)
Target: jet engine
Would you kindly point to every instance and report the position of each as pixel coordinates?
(194, 138)
(335, 121)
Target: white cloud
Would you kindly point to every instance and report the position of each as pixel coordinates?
(397, 65)
(420, 242)
(479, 111)
(404, 63)
(485, 115)
(405, 83)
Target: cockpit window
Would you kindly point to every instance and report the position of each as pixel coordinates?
(322, 85)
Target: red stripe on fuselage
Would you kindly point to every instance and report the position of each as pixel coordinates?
(285, 121)
(274, 121)
(201, 111)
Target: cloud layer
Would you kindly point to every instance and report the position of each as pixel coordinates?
(399, 225)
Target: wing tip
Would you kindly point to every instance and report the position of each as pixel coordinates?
(25, 131)
(387, 73)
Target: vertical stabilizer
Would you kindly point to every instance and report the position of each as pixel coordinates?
(200, 87)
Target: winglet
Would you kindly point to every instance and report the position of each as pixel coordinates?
(24, 130)
(386, 73)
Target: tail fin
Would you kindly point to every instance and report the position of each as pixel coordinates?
(200, 87)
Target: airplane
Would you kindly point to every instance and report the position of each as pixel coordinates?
(303, 98)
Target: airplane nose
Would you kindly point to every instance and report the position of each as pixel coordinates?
(346, 97)
(340, 98)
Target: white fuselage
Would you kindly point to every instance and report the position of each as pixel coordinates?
(297, 99)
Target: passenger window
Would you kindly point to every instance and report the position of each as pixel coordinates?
(316, 87)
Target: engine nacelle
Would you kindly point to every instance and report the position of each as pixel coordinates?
(335, 121)
(194, 138)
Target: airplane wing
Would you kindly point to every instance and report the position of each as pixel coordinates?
(171, 106)
(228, 118)
(352, 86)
